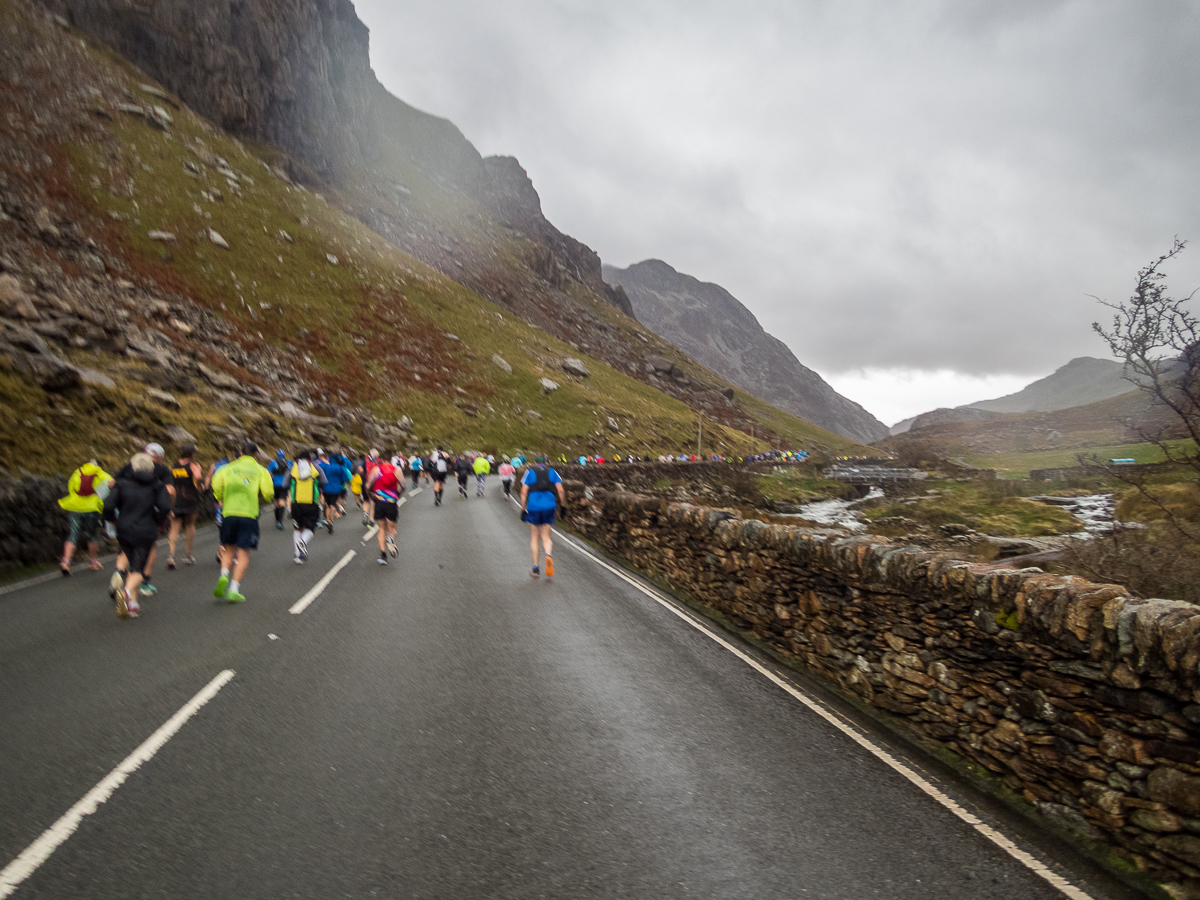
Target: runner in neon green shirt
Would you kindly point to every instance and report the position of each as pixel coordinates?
(238, 487)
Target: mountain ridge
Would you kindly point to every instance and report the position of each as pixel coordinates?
(712, 326)
(1081, 381)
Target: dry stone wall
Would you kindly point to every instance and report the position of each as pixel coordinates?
(1081, 699)
(32, 524)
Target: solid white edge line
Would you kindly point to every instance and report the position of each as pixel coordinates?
(54, 836)
(302, 604)
(1026, 859)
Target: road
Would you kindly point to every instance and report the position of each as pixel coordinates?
(448, 727)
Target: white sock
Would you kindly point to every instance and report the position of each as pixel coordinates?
(225, 572)
(233, 587)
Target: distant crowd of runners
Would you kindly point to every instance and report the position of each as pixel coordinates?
(147, 499)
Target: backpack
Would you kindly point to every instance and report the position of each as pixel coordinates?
(542, 480)
(441, 464)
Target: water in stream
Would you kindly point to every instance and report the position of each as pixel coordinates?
(1096, 511)
(837, 512)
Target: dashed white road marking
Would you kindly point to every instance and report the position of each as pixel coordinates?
(54, 836)
(1004, 843)
(303, 603)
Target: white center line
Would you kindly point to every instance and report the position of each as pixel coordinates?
(54, 836)
(302, 604)
(1026, 859)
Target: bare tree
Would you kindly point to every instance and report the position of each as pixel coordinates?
(1158, 339)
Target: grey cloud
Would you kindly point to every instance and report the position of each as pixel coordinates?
(922, 185)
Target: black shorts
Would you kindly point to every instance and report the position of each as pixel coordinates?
(386, 511)
(439, 476)
(462, 478)
(137, 555)
(332, 499)
(182, 512)
(240, 532)
(306, 515)
(281, 493)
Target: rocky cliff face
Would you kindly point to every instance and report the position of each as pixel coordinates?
(294, 73)
(711, 325)
(297, 74)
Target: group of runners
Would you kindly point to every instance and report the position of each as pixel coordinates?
(148, 499)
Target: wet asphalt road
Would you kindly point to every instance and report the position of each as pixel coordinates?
(448, 727)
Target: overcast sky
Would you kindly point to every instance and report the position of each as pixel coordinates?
(916, 197)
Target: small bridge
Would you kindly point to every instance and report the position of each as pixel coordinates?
(879, 475)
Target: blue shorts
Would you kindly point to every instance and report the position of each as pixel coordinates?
(240, 532)
(539, 516)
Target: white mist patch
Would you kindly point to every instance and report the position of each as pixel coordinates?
(893, 395)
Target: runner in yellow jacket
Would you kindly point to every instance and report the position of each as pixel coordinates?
(238, 487)
(482, 469)
(86, 489)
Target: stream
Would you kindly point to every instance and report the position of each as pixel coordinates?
(836, 512)
(1096, 511)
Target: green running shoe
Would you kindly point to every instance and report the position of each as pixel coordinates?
(222, 586)
(235, 597)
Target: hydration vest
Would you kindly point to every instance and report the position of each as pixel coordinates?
(542, 480)
(304, 490)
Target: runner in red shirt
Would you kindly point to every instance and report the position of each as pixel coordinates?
(384, 485)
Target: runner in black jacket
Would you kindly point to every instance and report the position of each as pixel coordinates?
(144, 504)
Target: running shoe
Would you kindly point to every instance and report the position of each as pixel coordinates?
(116, 584)
(122, 599)
(279, 525)
(329, 524)
(392, 549)
(218, 557)
(366, 522)
(222, 587)
(298, 561)
(147, 589)
(303, 550)
(95, 565)
(189, 560)
(170, 562)
(549, 567)
(131, 606)
(383, 559)
(534, 573)
(65, 567)
(235, 597)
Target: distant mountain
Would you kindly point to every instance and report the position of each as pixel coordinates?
(713, 327)
(1082, 381)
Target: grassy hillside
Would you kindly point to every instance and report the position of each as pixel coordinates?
(301, 282)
